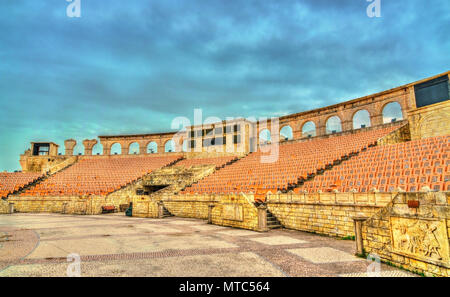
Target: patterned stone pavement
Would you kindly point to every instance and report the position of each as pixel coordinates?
(115, 245)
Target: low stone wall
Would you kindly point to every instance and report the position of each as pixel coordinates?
(233, 210)
(64, 204)
(412, 232)
(145, 207)
(189, 206)
(236, 210)
(325, 213)
(3, 206)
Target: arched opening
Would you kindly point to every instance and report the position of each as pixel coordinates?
(333, 125)
(97, 149)
(61, 149)
(133, 149)
(309, 129)
(169, 147)
(286, 133)
(78, 150)
(392, 112)
(152, 148)
(264, 136)
(184, 146)
(361, 119)
(116, 149)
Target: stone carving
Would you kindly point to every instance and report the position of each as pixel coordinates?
(233, 212)
(423, 239)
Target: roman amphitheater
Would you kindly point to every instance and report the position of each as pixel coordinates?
(382, 182)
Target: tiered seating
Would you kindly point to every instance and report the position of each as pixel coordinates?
(409, 166)
(295, 160)
(99, 176)
(218, 161)
(10, 182)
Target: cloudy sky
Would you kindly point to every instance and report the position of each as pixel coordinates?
(133, 66)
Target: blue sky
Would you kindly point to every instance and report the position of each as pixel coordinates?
(132, 66)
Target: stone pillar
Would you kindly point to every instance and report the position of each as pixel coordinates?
(262, 218)
(64, 208)
(160, 210)
(347, 125)
(69, 144)
(358, 221)
(210, 209)
(88, 145)
(376, 119)
(11, 208)
(106, 148)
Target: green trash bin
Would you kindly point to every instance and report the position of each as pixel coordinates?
(129, 211)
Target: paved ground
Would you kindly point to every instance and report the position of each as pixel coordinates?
(115, 245)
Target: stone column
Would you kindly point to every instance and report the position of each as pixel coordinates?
(376, 119)
(64, 208)
(262, 218)
(88, 145)
(210, 209)
(11, 208)
(69, 144)
(358, 221)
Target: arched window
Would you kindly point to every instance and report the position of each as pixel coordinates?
(309, 129)
(169, 147)
(286, 133)
(361, 119)
(264, 136)
(116, 149)
(333, 125)
(97, 149)
(61, 149)
(78, 150)
(133, 149)
(392, 112)
(152, 148)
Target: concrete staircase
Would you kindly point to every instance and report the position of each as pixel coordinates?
(272, 221)
(175, 178)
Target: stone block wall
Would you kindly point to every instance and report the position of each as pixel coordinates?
(412, 232)
(189, 206)
(236, 210)
(400, 135)
(3, 206)
(428, 121)
(325, 213)
(64, 204)
(145, 208)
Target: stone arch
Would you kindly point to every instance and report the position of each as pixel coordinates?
(361, 119)
(116, 149)
(78, 150)
(97, 149)
(333, 124)
(286, 133)
(133, 148)
(169, 146)
(152, 147)
(265, 136)
(309, 129)
(392, 111)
